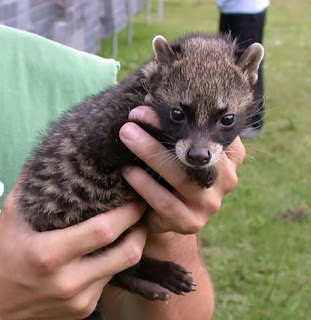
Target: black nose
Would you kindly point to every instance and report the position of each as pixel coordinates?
(198, 156)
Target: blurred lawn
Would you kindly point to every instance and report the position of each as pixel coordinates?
(258, 247)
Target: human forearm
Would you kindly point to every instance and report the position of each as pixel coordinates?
(47, 275)
(184, 250)
(185, 211)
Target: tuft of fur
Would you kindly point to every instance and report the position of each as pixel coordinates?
(75, 173)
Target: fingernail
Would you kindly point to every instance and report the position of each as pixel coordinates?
(129, 132)
(148, 100)
(126, 170)
(137, 114)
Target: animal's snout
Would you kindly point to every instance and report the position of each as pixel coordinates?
(198, 156)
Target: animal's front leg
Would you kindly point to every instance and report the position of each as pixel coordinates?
(145, 277)
(130, 282)
(167, 274)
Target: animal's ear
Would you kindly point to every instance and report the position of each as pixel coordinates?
(250, 60)
(162, 50)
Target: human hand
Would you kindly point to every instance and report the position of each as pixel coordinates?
(188, 208)
(46, 275)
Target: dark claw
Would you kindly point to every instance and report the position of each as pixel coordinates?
(167, 297)
(167, 274)
(186, 280)
(184, 270)
(185, 288)
(163, 296)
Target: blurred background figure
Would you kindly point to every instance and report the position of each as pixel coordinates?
(245, 20)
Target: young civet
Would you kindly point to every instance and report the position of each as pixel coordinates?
(201, 87)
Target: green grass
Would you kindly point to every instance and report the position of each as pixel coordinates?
(260, 261)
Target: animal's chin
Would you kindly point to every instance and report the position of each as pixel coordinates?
(206, 176)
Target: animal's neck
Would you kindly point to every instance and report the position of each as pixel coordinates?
(133, 90)
(106, 148)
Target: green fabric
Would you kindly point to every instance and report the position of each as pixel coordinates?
(39, 79)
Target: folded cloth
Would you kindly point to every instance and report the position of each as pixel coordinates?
(39, 79)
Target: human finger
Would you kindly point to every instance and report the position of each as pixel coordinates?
(57, 247)
(145, 114)
(69, 305)
(157, 157)
(173, 213)
(161, 160)
(227, 178)
(236, 152)
(82, 304)
(113, 260)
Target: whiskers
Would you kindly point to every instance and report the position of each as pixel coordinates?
(253, 148)
(258, 112)
(168, 159)
(235, 156)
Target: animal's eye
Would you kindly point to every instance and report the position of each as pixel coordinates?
(228, 120)
(177, 115)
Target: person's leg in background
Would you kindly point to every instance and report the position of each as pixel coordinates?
(248, 28)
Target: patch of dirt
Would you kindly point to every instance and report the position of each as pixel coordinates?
(204, 242)
(300, 213)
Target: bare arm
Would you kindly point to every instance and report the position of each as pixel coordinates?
(183, 249)
(184, 212)
(45, 275)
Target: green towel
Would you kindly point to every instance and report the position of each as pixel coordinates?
(39, 79)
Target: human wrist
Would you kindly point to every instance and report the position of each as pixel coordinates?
(173, 246)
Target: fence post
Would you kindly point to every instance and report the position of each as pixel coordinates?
(130, 13)
(148, 12)
(160, 10)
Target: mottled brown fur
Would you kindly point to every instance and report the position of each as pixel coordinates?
(74, 173)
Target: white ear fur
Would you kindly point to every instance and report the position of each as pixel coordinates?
(162, 49)
(157, 42)
(250, 61)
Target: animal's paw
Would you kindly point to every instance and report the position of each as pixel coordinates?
(145, 288)
(167, 274)
(176, 278)
(149, 275)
